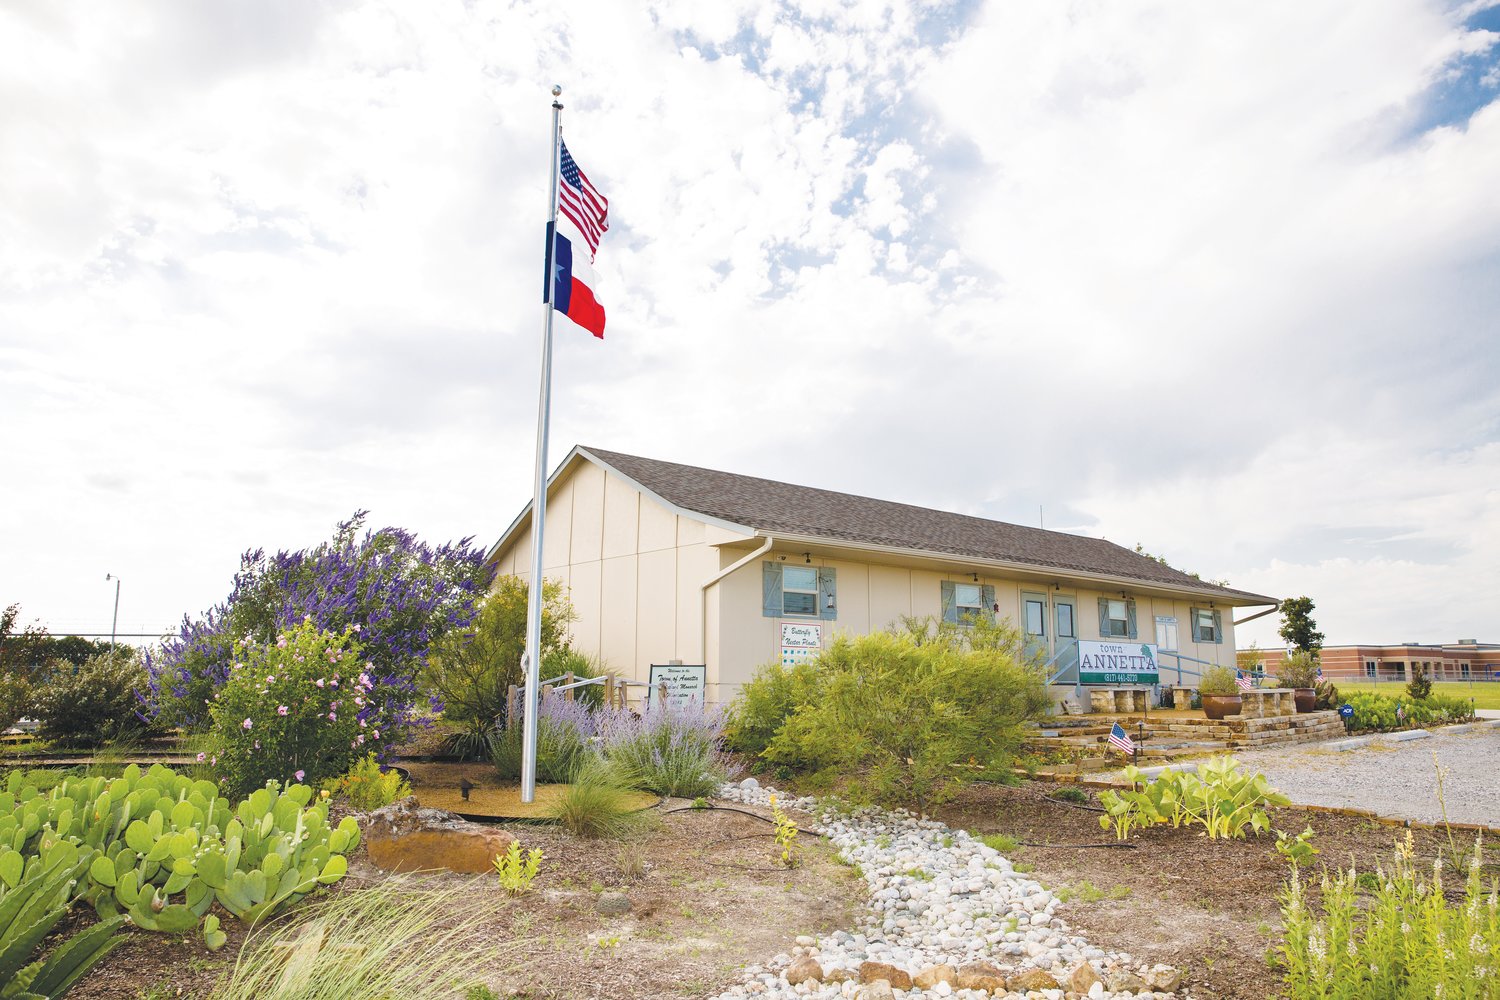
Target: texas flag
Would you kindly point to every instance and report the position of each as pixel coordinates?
(583, 218)
(573, 281)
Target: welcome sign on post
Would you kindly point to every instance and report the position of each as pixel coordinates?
(1116, 662)
(685, 682)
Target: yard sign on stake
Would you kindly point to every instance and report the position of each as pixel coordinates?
(567, 287)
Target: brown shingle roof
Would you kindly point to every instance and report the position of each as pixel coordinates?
(770, 506)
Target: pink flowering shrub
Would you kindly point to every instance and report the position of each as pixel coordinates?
(302, 708)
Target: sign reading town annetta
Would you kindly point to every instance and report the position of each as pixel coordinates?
(1116, 662)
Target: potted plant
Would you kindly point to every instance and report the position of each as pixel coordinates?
(1221, 696)
(1300, 673)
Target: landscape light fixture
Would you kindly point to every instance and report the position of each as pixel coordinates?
(464, 785)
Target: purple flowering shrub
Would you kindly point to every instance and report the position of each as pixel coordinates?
(672, 751)
(565, 739)
(302, 708)
(404, 596)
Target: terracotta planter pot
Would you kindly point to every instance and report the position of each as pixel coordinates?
(1216, 706)
(1307, 699)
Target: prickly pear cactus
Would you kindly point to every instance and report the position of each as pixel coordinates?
(164, 847)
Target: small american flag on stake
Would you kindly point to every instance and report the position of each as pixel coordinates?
(1245, 682)
(584, 206)
(1120, 740)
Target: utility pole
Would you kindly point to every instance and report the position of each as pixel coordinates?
(115, 624)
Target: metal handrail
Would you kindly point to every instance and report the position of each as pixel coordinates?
(1053, 659)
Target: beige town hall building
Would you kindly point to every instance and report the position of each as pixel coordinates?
(668, 562)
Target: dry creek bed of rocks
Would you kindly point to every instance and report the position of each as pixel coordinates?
(948, 917)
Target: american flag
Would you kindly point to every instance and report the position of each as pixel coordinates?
(584, 206)
(1246, 682)
(1120, 740)
(1320, 673)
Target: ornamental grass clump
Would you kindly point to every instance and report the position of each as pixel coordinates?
(671, 751)
(298, 709)
(1401, 938)
(597, 802)
(391, 939)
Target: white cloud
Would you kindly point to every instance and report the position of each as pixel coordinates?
(1140, 263)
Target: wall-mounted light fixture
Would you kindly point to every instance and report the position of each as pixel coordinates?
(807, 558)
(976, 577)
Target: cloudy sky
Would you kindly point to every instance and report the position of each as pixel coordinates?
(1216, 278)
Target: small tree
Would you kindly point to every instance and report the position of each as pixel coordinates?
(472, 670)
(1297, 625)
(1249, 659)
(1420, 685)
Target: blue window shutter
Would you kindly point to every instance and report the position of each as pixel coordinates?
(988, 591)
(1130, 632)
(828, 604)
(770, 589)
(950, 603)
(1218, 628)
(1104, 618)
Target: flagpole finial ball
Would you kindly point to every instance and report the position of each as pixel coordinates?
(556, 90)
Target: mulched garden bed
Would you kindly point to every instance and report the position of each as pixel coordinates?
(1207, 906)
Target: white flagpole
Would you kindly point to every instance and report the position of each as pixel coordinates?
(532, 660)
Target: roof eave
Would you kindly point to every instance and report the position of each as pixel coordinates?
(523, 519)
(1226, 597)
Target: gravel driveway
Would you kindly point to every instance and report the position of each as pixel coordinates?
(1394, 779)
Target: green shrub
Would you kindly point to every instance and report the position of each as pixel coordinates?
(1396, 936)
(901, 721)
(1218, 681)
(1386, 713)
(1327, 696)
(765, 703)
(296, 710)
(368, 785)
(15, 698)
(471, 672)
(597, 803)
(563, 661)
(1299, 670)
(93, 703)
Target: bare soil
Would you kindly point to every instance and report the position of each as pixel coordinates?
(707, 894)
(1208, 907)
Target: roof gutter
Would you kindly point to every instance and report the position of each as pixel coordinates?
(713, 581)
(1259, 614)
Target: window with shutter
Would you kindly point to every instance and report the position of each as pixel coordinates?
(1115, 618)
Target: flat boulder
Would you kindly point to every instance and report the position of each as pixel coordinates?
(404, 836)
(1032, 979)
(869, 972)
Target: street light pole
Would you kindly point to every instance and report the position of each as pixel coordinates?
(114, 625)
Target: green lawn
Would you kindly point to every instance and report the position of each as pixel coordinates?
(1486, 694)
